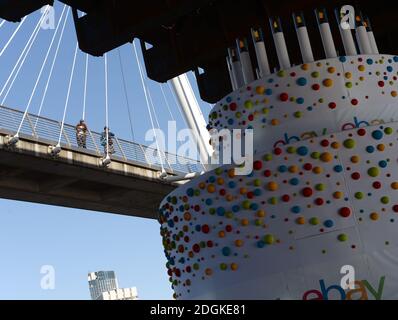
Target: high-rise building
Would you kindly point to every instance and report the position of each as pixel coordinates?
(103, 285)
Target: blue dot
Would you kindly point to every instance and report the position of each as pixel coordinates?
(231, 121)
(271, 80)
(302, 151)
(310, 108)
(232, 184)
(369, 61)
(229, 99)
(302, 82)
(254, 206)
(296, 209)
(282, 169)
(328, 224)
(170, 223)
(294, 181)
(383, 164)
(370, 149)
(190, 192)
(257, 192)
(198, 227)
(268, 92)
(260, 244)
(212, 179)
(220, 211)
(343, 59)
(396, 59)
(209, 202)
(377, 135)
(338, 168)
(390, 69)
(226, 251)
(300, 100)
(235, 208)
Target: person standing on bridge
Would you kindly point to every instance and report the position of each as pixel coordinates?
(81, 134)
(107, 144)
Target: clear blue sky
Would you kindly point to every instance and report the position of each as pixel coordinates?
(75, 241)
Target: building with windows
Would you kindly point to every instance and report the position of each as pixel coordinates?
(103, 285)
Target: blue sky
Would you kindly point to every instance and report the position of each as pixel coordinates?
(75, 241)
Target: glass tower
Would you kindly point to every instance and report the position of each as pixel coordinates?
(101, 281)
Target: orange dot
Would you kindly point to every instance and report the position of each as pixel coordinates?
(220, 181)
(209, 272)
(331, 69)
(326, 157)
(293, 169)
(317, 170)
(211, 188)
(221, 234)
(394, 185)
(374, 216)
(231, 173)
(335, 145)
(260, 90)
(202, 185)
(300, 220)
(305, 67)
(187, 216)
(238, 243)
(381, 147)
(274, 122)
(272, 186)
(261, 213)
(394, 94)
(230, 197)
(245, 222)
(234, 267)
(328, 83)
(355, 159)
(243, 191)
(338, 195)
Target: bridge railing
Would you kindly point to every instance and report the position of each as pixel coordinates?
(44, 129)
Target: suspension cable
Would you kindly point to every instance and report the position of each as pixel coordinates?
(68, 95)
(85, 89)
(40, 73)
(22, 55)
(148, 106)
(53, 64)
(16, 31)
(176, 103)
(2, 23)
(167, 102)
(126, 96)
(106, 107)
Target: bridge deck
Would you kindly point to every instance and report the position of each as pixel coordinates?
(129, 186)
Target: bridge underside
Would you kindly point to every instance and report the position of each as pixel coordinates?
(76, 180)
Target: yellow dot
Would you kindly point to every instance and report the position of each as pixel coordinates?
(274, 122)
(261, 213)
(260, 90)
(394, 94)
(202, 185)
(243, 191)
(335, 145)
(317, 170)
(293, 169)
(238, 243)
(338, 195)
(245, 222)
(326, 157)
(272, 186)
(394, 185)
(381, 147)
(361, 68)
(234, 267)
(355, 159)
(328, 83)
(211, 188)
(374, 216)
(348, 75)
(331, 69)
(300, 220)
(305, 67)
(220, 181)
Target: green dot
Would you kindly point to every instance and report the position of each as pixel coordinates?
(273, 201)
(298, 114)
(314, 221)
(229, 215)
(359, 195)
(258, 222)
(265, 110)
(315, 74)
(196, 266)
(257, 182)
(281, 73)
(388, 130)
(342, 237)
(223, 266)
(268, 157)
(248, 104)
(385, 200)
(291, 150)
(246, 204)
(269, 239)
(349, 143)
(320, 187)
(373, 172)
(348, 85)
(315, 155)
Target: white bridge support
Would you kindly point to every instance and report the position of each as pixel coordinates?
(193, 116)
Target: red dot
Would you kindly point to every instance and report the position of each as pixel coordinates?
(233, 106)
(258, 165)
(286, 198)
(205, 228)
(228, 228)
(395, 208)
(251, 117)
(316, 87)
(361, 132)
(196, 248)
(293, 74)
(332, 105)
(381, 84)
(267, 173)
(307, 192)
(377, 185)
(197, 208)
(354, 102)
(319, 202)
(210, 244)
(250, 195)
(278, 151)
(325, 143)
(308, 166)
(345, 212)
(356, 176)
(284, 97)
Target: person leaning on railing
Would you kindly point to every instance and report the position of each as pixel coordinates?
(81, 134)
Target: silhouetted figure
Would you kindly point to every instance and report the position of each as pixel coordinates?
(81, 134)
(108, 143)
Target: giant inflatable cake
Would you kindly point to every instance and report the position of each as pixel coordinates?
(322, 198)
